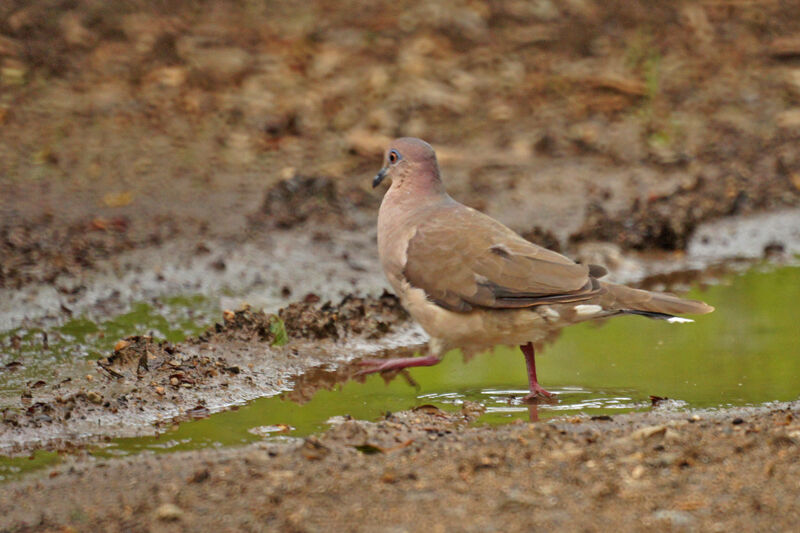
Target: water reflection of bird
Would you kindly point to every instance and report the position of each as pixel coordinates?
(473, 283)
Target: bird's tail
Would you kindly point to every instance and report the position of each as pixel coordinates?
(659, 305)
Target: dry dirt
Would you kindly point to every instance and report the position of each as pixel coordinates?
(127, 124)
(426, 470)
(199, 129)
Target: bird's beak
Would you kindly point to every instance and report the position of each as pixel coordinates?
(379, 177)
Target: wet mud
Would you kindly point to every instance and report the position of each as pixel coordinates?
(146, 383)
(318, 201)
(667, 222)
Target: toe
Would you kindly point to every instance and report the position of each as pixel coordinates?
(538, 395)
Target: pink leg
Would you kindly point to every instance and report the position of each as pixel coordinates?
(536, 389)
(379, 365)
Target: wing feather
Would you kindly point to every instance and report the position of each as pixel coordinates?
(463, 259)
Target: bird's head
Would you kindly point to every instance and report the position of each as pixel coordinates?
(409, 161)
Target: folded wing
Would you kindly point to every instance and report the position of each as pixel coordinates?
(464, 259)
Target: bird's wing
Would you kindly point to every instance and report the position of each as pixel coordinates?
(463, 259)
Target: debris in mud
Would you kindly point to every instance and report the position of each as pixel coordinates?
(199, 476)
(373, 316)
(140, 358)
(368, 449)
(655, 400)
(667, 222)
(266, 431)
(199, 411)
(132, 356)
(12, 366)
(293, 201)
(94, 397)
(784, 48)
(143, 372)
(248, 325)
(43, 249)
(774, 249)
(398, 431)
(305, 198)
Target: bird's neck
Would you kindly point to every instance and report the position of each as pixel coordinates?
(418, 190)
(406, 201)
(402, 210)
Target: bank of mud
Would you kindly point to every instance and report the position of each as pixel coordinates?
(427, 470)
(145, 383)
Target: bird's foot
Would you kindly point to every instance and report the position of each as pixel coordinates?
(537, 394)
(382, 365)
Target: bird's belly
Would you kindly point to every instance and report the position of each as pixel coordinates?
(479, 329)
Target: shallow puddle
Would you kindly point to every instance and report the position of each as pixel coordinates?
(745, 353)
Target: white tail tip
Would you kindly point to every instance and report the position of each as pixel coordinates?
(679, 320)
(587, 309)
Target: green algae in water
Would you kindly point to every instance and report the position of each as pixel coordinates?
(50, 354)
(14, 467)
(746, 352)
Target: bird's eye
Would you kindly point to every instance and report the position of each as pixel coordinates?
(393, 156)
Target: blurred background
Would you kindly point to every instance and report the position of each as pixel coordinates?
(128, 122)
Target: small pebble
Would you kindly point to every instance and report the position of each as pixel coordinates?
(674, 518)
(169, 512)
(94, 397)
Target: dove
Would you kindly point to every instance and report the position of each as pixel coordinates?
(472, 283)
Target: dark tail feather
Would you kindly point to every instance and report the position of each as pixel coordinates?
(657, 316)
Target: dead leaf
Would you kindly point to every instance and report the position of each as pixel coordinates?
(616, 83)
(369, 449)
(200, 411)
(784, 47)
(655, 400)
(428, 409)
(118, 199)
(121, 345)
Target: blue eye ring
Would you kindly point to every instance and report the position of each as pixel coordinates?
(394, 156)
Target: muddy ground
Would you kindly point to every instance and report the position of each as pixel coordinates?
(150, 149)
(426, 470)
